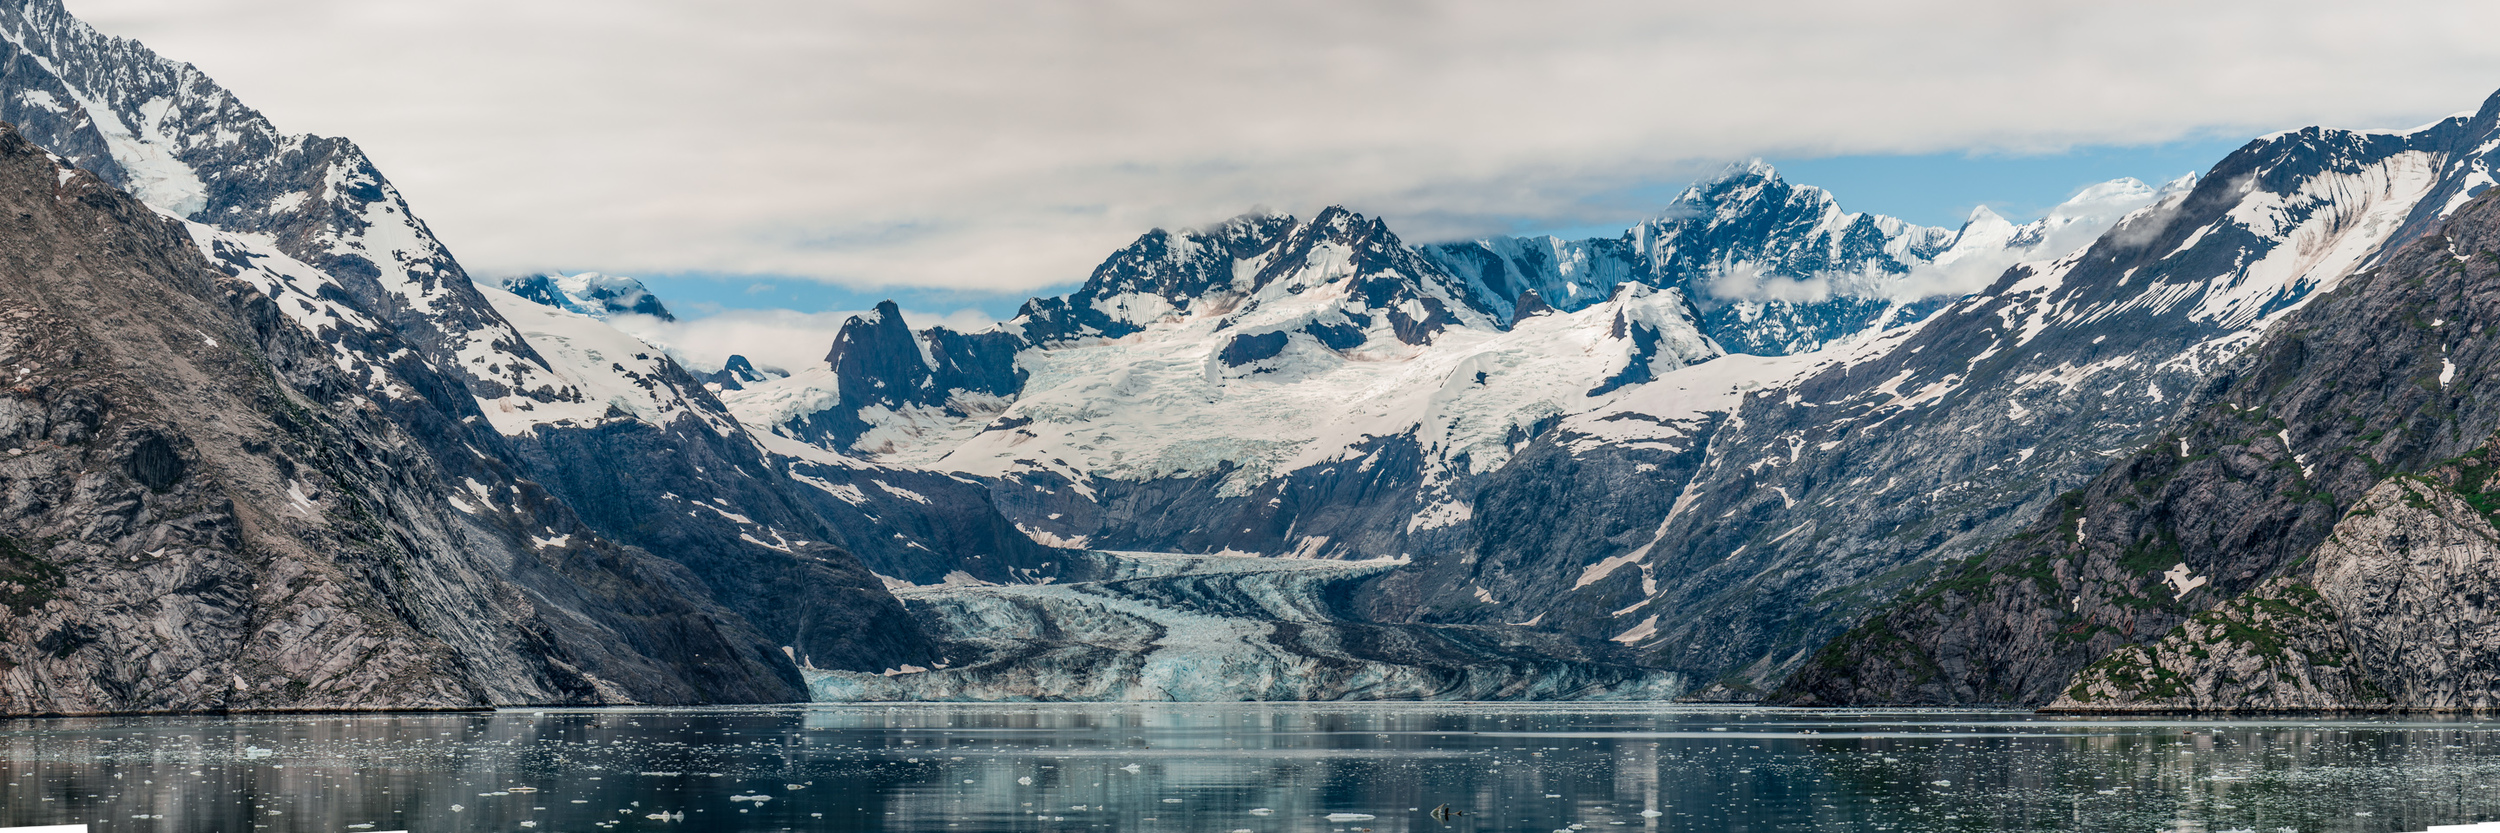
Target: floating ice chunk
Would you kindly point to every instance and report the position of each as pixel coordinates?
(1132, 769)
(1651, 814)
(1262, 811)
(1351, 817)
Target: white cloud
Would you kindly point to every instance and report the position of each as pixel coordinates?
(2070, 226)
(1746, 282)
(1010, 145)
(782, 340)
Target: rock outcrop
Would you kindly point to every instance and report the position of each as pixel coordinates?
(200, 510)
(2394, 611)
(2393, 373)
(607, 514)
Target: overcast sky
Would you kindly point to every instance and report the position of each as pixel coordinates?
(926, 146)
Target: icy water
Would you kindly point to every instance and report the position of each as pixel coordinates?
(1230, 768)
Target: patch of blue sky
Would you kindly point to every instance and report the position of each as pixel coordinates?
(1940, 189)
(701, 293)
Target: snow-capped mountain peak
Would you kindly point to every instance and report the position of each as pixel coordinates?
(1248, 266)
(1779, 268)
(590, 293)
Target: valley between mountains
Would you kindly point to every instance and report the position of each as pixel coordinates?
(2220, 443)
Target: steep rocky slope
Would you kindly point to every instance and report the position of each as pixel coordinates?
(556, 417)
(2218, 523)
(1826, 500)
(202, 511)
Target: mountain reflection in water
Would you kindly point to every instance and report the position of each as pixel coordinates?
(1244, 767)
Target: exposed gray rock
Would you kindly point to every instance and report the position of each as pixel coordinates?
(202, 511)
(2279, 648)
(2396, 613)
(312, 224)
(2391, 373)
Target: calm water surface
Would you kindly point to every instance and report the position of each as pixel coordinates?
(1230, 768)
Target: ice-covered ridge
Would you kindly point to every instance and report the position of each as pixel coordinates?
(166, 132)
(599, 374)
(145, 151)
(590, 293)
(1781, 268)
(1163, 403)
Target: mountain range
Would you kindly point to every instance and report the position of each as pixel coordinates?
(2214, 444)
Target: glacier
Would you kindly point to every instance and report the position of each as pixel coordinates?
(1210, 628)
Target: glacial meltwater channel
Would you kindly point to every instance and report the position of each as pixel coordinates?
(1244, 767)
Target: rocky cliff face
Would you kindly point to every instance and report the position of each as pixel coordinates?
(1835, 496)
(552, 428)
(203, 511)
(2387, 375)
(2391, 612)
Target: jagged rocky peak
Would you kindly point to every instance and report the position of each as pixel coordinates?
(1779, 268)
(1161, 273)
(1382, 278)
(880, 372)
(1258, 262)
(1750, 215)
(736, 373)
(309, 217)
(1529, 305)
(880, 347)
(590, 293)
